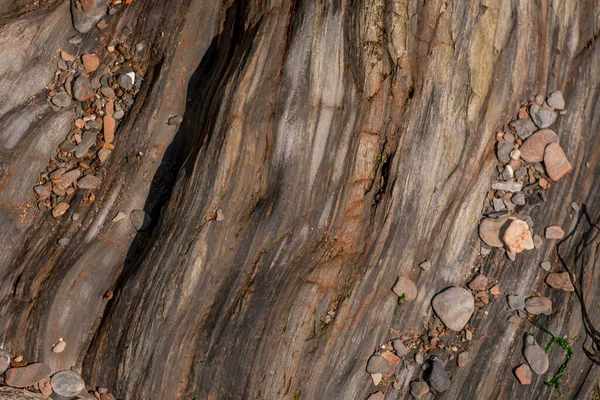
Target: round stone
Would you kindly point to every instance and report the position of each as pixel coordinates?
(377, 365)
(454, 306)
(489, 231)
(405, 287)
(67, 383)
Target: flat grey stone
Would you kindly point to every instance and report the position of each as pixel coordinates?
(508, 186)
(26, 376)
(88, 139)
(556, 100)
(119, 114)
(400, 348)
(67, 383)
(377, 365)
(89, 182)
(67, 179)
(518, 199)
(498, 204)
(62, 99)
(84, 21)
(541, 116)
(546, 266)
(454, 306)
(418, 389)
(64, 241)
(535, 356)
(125, 81)
(436, 376)
(503, 149)
(523, 127)
(516, 302)
(538, 305)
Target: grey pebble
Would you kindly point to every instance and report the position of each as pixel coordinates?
(503, 149)
(556, 100)
(536, 357)
(508, 186)
(546, 266)
(119, 114)
(88, 139)
(64, 241)
(575, 206)
(125, 81)
(4, 361)
(425, 265)
(61, 99)
(436, 376)
(541, 116)
(67, 383)
(377, 365)
(518, 199)
(516, 302)
(75, 40)
(523, 127)
(498, 204)
(400, 348)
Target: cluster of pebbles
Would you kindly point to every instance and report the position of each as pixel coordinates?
(531, 158)
(100, 98)
(39, 377)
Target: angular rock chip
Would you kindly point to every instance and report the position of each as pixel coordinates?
(538, 305)
(523, 374)
(60, 209)
(523, 127)
(517, 236)
(454, 306)
(479, 283)
(555, 161)
(67, 179)
(377, 365)
(560, 280)
(406, 287)
(541, 116)
(556, 100)
(90, 182)
(533, 148)
(28, 375)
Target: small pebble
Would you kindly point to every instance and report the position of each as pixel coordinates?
(538, 305)
(59, 347)
(546, 266)
(75, 40)
(425, 265)
(554, 232)
(405, 287)
(418, 389)
(64, 241)
(556, 100)
(536, 357)
(454, 306)
(462, 359)
(523, 373)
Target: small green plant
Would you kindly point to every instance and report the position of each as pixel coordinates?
(596, 395)
(297, 394)
(400, 302)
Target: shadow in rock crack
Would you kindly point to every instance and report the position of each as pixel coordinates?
(223, 58)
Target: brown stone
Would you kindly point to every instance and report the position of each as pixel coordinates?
(560, 280)
(523, 113)
(82, 89)
(44, 387)
(102, 24)
(109, 128)
(376, 396)
(538, 305)
(517, 236)
(392, 360)
(523, 373)
(66, 56)
(26, 376)
(482, 297)
(554, 232)
(60, 209)
(406, 287)
(556, 162)
(91, 62)
(489, 231)
(109, 108)
(67, 179)
(533, 148)
(495, 290)
(87, 5)
(479, 283)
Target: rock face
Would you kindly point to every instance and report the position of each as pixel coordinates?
(535, 356)
(85, 18)
(560, 280)
(5, 360)
(454, 306)
(9, 393)
(405, 287)
(26, 376)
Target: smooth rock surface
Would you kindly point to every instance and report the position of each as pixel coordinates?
(140, 219)
(454, 306)
(11, 393)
